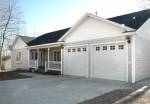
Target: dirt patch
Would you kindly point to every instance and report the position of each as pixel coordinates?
(12, 75)
(122, 96)
(108, 98)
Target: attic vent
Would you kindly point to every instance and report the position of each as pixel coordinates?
(134, 17)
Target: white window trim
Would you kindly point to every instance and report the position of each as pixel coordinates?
(56, 51)
(19, 61)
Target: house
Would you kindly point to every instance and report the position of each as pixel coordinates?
(6, 61)
(19, 52)
(116, 48)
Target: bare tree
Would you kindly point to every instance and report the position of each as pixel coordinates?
(9, 23)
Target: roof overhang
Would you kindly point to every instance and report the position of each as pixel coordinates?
(48, 45)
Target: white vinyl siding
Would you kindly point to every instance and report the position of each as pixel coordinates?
(142, 58)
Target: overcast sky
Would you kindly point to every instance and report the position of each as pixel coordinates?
(42, 16)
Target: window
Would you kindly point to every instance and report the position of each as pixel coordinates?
(97, 48)
(73, 50)
(57, 56)
(121, 47)
(69, 50)
(18, 57)
(79, 49)
(104, 47)
(112, 47)
(84, 49)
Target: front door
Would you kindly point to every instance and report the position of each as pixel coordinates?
(42, 58)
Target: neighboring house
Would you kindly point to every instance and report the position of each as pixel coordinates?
(115, 48)
(6, 62)
(19, 53)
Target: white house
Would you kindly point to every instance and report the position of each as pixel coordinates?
(116, 48)
(19, 53)
(6, 62)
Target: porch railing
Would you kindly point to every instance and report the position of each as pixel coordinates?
(33, 64)
(53, 65)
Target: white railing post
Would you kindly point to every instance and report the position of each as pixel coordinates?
(48, 59)
(62, 59)
(38, 55)
(45, 67)
(35, 65)
(28, 59)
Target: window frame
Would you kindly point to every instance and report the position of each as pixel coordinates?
(56, 55)
(19, 57)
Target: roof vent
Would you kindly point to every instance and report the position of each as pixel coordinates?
(122, 25)
(134, 17)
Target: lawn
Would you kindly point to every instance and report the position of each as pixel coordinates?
(11, 75)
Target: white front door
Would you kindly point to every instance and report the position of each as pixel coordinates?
(109, 61)
(76, 61)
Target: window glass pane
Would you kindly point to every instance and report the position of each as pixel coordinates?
(104, 47)
(97, 48)
(79, 49)
(73, 50)
(84, 49)
(69, 50)
(112, 47)
(121, 47)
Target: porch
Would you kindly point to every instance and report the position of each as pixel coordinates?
(45, 59)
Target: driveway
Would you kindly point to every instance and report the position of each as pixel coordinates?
(50, 89)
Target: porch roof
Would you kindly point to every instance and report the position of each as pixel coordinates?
(51, 37)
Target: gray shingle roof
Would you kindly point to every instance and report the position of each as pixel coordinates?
(26, 39)
(133, 20)
(50, 37)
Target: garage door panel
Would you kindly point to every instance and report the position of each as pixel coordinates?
(76, 63)
(110, 64)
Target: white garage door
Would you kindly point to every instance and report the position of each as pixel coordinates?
(76, 61)
(110, 61)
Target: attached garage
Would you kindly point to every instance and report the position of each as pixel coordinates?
(108, 53)
(109, 61)
(76, 61)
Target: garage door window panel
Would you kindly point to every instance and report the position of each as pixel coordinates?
(79, 49)
(120, 47)
(84, 49)
(69, 50)
(97, 48)
(112, 47)
(105, 48)
(73, 50)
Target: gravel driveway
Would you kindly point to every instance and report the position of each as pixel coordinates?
(50, 89)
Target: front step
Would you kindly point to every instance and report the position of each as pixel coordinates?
(40, 70)
(53, 72)
(50, 72)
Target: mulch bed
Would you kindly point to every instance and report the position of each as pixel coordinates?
(109, 98)
(12, 75)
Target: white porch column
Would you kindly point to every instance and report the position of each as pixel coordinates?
(38, 55)
(28, 59)
(62, 59)
(48, 58)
